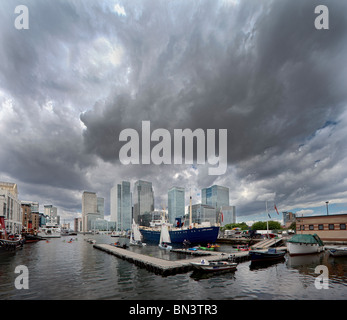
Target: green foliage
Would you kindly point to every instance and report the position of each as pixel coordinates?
(261, 225)
(241, 225)
(293, 226)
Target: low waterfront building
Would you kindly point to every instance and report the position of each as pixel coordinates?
(10, 207)
(30, 215)
(327, 227)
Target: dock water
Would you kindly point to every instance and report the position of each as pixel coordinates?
(168, 267)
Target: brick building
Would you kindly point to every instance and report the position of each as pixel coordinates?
(327, 227)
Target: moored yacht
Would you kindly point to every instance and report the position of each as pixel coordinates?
(304, 244)
(50, 230)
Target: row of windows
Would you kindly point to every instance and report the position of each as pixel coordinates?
(331, 226)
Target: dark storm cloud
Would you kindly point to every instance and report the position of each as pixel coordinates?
(83, 72)
(260, 69)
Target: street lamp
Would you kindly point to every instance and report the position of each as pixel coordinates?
(327, 203)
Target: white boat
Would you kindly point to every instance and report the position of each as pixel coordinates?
(135, 236)
(164, 238)
(50, 230)
(337, 251)
(304, 244)
(205, 265)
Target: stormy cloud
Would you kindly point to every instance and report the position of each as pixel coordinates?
(86, 70)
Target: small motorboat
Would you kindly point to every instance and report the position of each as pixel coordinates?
(270, 255)
(242, 248)
(206, 248)
(337, 251)
(205, 265)
(165, 246)
(300, 244)
(119, 245)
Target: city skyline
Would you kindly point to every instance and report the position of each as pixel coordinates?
(84, 71)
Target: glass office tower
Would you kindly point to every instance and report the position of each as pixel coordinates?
(143, 198)
(176, 203)
(215, 196)
(121, 211)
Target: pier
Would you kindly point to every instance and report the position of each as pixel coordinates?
(167, 267)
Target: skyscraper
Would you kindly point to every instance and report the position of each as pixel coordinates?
(89, 206)
(121, 205)
(176, 203)
(100, 208)
(215, 196)
(143, 198)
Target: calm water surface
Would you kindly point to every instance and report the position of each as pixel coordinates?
(62, 270)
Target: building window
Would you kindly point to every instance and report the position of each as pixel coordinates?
(303, 227)
(331, 226)
(342, 226)
(311, 227)
(320, 227)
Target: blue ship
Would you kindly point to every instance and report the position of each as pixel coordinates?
(194, 235)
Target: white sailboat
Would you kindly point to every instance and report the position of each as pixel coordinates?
(164, 238)
(135, 236)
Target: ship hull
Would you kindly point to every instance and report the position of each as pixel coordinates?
(194, 235)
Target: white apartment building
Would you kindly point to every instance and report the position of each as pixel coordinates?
(10, 207)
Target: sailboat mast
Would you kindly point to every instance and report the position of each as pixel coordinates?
(190, 209)
(267, 221)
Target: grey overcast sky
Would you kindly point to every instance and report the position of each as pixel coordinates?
(85, 70)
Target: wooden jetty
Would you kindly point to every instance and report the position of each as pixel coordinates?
(167, 267)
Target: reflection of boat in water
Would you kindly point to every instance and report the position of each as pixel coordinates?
(209, 266)
(304, 244)
(300, 261)
(258, 265)
(337, 251)
(270, 255)
(30, 238)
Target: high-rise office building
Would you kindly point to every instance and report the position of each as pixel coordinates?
(226, 215)
(203, 213)
(215, 196)
(89, 207)
(52, 213)
(143, 199)
(121, 211)
(100, 207)
(176, 203)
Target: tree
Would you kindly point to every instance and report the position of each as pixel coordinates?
(242, 225)
(262, 225)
